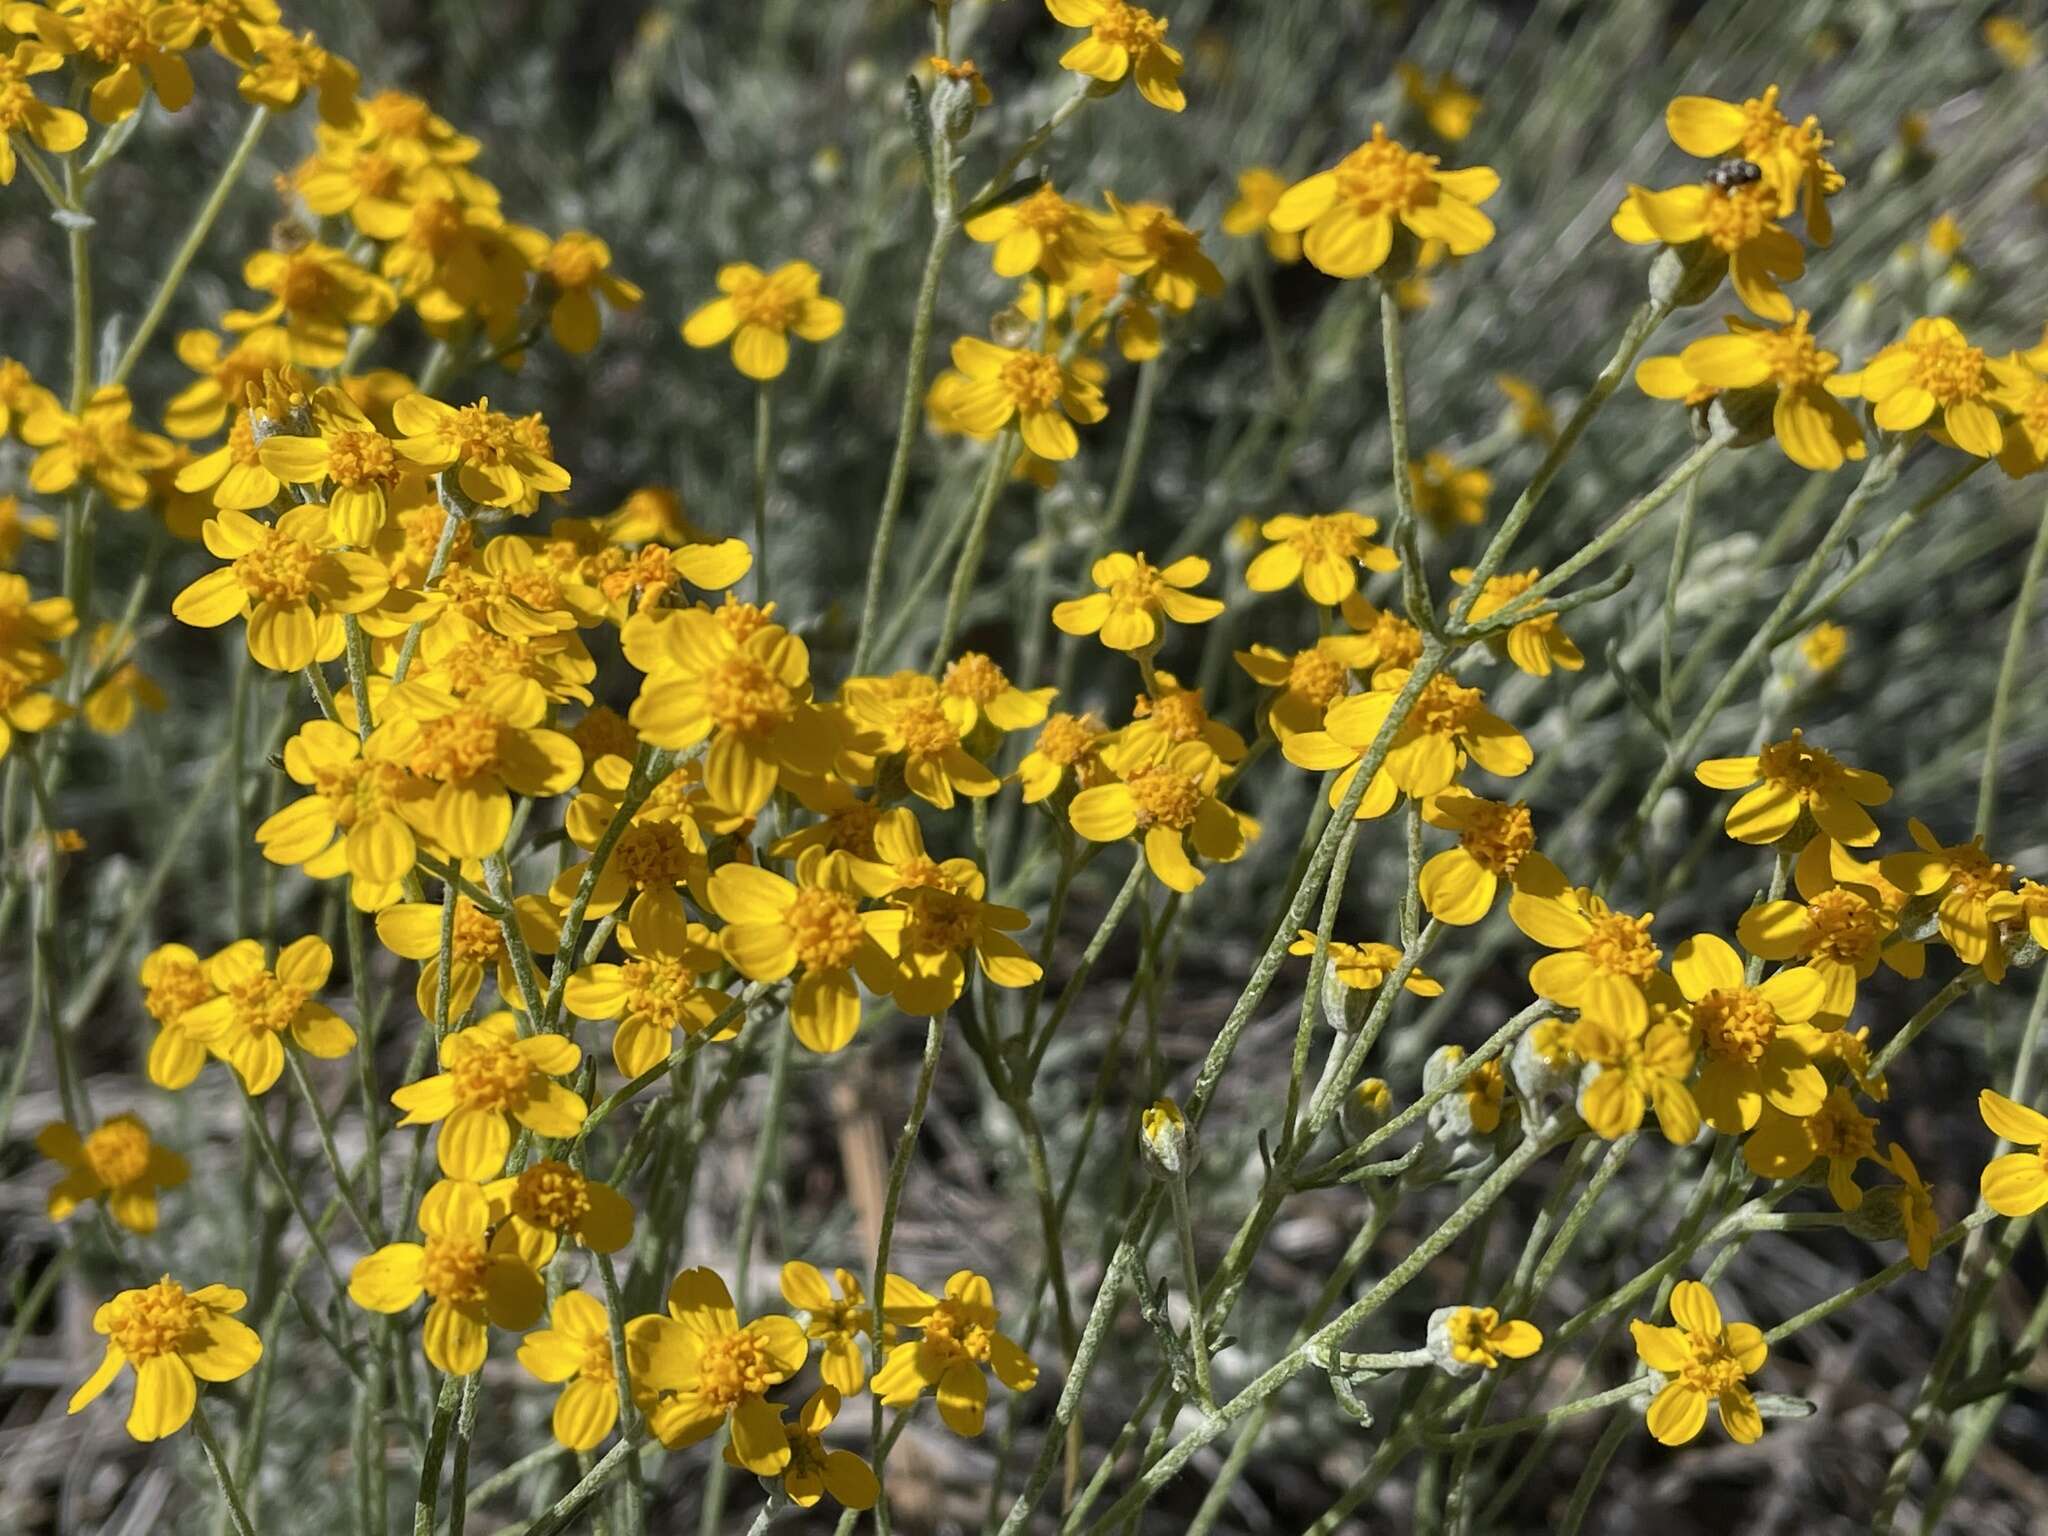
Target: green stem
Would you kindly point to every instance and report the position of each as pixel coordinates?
(2008, 675)
(429, 1494)
(1000, 455)
(892, 1199)
(764, 426)
(217, 1463)
(1191, 1281)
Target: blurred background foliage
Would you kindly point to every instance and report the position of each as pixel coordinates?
(694, 134)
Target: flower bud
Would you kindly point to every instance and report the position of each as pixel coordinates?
(1345, 1008)
(1879, 1218)
(1543, 1065)
(1167, 1140)
(1366, 1108)
(1685, 275)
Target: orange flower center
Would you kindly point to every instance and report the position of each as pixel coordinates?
(1949, 369)
(574, 261)
(941, 920)
(265, 1005)
(479, 434)
(1142, 587)
(1843, 1131)
(825, 928)
(1843, 926)
(1735, 216)
(953, 1331)
(604, 732)
(1044, 212)
(490, 1076)
(477, 938)
(157, 1320)
(597, 1359)
(655, 989)
(1737, 1023)
(1498, 837)
(460, 745)
(742, 620)
(1976, 876)
(1386, 177)
(853, 829)
(1068, 739)
(552, 1195)
(652, 854)
(355, 789)
(1031, 380)
(1179, 715)
(118, 1153)
(735, 1366)
(454, 1269)
(1397, 641)
(177, 987)
(1129, 27)
(1793, 355)
(1165, 798)
(1316, 675)
(1620, 945)
(1445, 708)
(974, 676)
(744, 695)
(361, 458)
(116, 30)
(1712, 1368)
(279, 569)
(925, 731)
(1809, 773)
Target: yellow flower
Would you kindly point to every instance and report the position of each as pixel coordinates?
(257, 1003)
(1531, 412)
(1444, 104)
(1365, 967)
(981, 690)
(660, 987)
(1790, 777)
(935, 919)
(471, 1283)
(814, 1469)
(576, 267)
(499, 462)
(750, 695)
(959, 1337)
(278, 576)
(1605, 962)
(1041, 232)
(2023, 391)
(1258, 193)
(1736, 216)
(1916, 1207)
(1122, 40)
(835, 1323)
(110, 708)
(2017, 1183)
(1933, 366)
(759, 309)
(1323, 553)
(174, 981)
(1760, 1042)
(115, 1162)
(575, 1349)
(1823, 647)
(115, 40)
(353, 822)
(1838, 931)
(55, 130)
(1070, 745)
(1638, 1069)
(908, 717)
(2008, 37)
(774, 927)
(491, 1079)
(1480, 1336)
(1792, 158)
(1976, 895)
(477, 752)
(696, 1369)
(1347, 213)
(100, 444)
(317, 295)
(1496, 842)
(1309, 681)
(174, 1339)
(1173, 716)
(1135, 601)
(291, 66)
(362, 465)
(1814, 429)
(1702, 1360)
(1170, 801)
(1534, 645)
(1784, 1146)
(1035, 389)
(1446, 495)
(548, 1201)
(1151, 244)
(1667, 378)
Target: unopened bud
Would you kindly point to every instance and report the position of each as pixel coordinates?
(1685, 275)
(1167, 1140)
(1366, 1108)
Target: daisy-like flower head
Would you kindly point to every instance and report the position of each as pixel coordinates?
(759, 310)
(1636, 1070)
(2016, 1184)
(1465, 1340)
(575, 1349)
(911, 718)
(288, 580)
(1814, 429)
(1448, 495)
(1534, 645)
(1123, 41)
(292, 66)
(492, 1078)
(1366, 967)
(101, 445)
(1135, 600)
(1976, 896)
(1448, 725)
(1171, 802)
(1790, 157)
(1034, 389)
(1496, 842)
(174, 981)
(1916, 1206)
(1792, 776)
(1322, 553)
(1933, 368)
(658, 990)
(815, 927)
(2023, 391)
(1306, 682)
(1702, 1360)
(471, 1283)
(930, 928)
(959, 1337)
(412, 930)
(975, 688)
(1759, 1041)
(116, 44)
(548, 1203)
(317, 295)
(1839, 931)
(55, 130)
(1784, 1146)
(1172, 716)
(1040, 232)
(353, 820)
(814, 1468)
(1167, 258)
(1446, 105)
(498, 461)
(175, 1339)
(696, 1370)
(1070, 746)
(1605, 962)
(1347, 214)
(836, 1323)
(1258, 194)
(576, 267)
(116, 1162)
(476, 752)
(360, 464)
(257, 1003)
(1733, 214)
